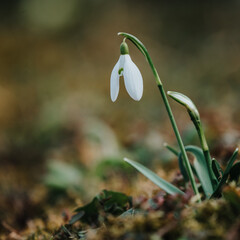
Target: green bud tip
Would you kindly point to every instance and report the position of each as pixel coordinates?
(124, 48)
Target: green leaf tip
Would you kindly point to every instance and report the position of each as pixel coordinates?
(153, 177)
(236, 151)
(171, 149)
(186, 102)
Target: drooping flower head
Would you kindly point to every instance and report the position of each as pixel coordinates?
(132, 77)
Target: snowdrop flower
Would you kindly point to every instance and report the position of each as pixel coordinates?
(132, 77)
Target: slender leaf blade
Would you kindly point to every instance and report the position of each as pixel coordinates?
(216, 168)
(166, 186)
(230, 162)
(225, 174)
(200, 167)
(235, 172)
(182, 168)
(171, 149)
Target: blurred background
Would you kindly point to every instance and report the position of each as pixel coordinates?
(62, 140)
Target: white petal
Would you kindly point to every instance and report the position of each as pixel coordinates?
(132, 79)
(114, 82)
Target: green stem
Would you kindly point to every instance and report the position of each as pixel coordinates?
(144, 51)
(206, 153)
(179, 139)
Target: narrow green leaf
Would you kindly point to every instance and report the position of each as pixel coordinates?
(235, 172)
(225, 174)
(171, 149)
(183, 168)
(166, 186)
(186, 102)
(230, 163)
(200, 167)
(216, 168)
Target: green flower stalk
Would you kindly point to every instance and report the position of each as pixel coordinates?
(144, 51)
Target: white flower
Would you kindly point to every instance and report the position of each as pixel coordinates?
(132, 78)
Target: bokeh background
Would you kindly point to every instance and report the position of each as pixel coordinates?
(62, 140)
